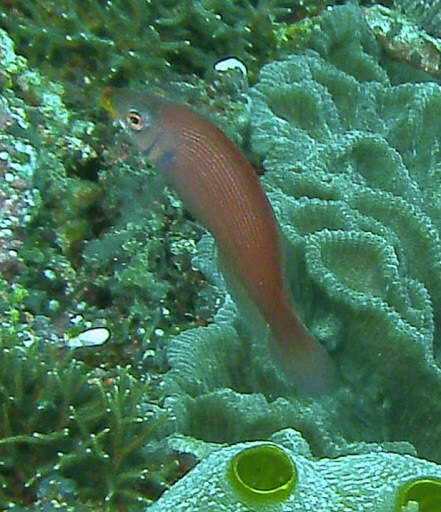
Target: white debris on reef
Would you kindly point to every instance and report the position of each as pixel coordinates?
(90, 338)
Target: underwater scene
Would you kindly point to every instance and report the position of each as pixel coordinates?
(220, 256)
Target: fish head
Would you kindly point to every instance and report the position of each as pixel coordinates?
(137, 113)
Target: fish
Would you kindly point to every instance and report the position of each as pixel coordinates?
(221, 189)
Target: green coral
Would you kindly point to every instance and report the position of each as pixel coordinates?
(116, 40)
(352, 169)
(377, 263)
(224, 388)
(83, 437)
(79, 242)
(355, 195)
(352, 172)
(59, 421)
(425, 13)
(142, 262)
(39, 143)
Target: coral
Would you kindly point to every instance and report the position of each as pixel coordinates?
(224, 388)
(18, 197)
(118, 40)
(54, 204)
(352, 172)
(39, 141)
(354, 178)
(141, 263)
(352, 169)
(58, 421)
(354, 482)
(425, 13)
(68, 434)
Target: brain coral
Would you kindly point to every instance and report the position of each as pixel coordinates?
(353, 169)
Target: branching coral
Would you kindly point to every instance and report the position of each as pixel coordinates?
(58, 421)
(118, 40)
(56, 415)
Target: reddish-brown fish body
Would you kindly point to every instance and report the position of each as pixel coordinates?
(221, 189)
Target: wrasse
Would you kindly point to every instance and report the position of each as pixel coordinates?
(220, 188)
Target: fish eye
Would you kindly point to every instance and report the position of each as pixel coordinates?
(134, 120)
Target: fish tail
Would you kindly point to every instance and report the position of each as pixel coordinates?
(304, 361)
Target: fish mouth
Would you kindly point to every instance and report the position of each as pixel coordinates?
(106, 102)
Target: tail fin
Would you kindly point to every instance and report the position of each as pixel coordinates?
(305, 362)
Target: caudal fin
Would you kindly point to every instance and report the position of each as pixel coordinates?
(306, 363)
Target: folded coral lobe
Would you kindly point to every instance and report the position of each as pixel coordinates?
(220, 188)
